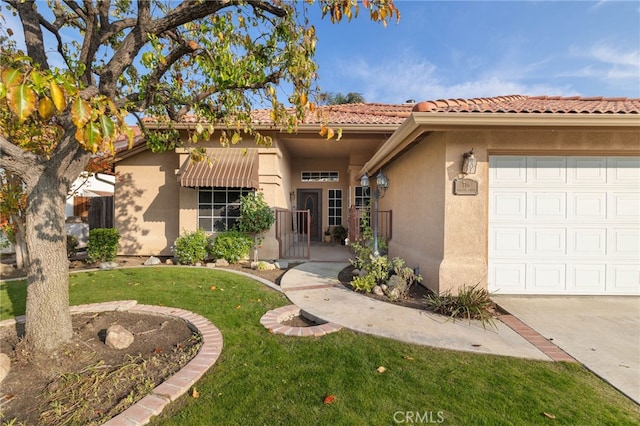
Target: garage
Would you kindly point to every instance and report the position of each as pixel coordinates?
(564, 225)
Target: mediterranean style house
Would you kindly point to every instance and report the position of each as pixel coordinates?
(524, 195)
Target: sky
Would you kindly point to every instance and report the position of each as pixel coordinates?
(463, 49)
(466, 49)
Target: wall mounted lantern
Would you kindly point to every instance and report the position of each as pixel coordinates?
(469, 163)
(382, 184)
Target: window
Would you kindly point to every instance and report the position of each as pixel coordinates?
(320, 177)
(335, 207)
(219, 208)
(363, 197)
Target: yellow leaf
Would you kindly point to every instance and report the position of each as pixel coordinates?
(22, 101)
(195, 393)
(339, 134)
(323, 130)
(58, 96)
(45, 108)
(381, 369)
(549, 415)
(11, 77)
(303, 99)
(330, 133)
(213, 287)
(80, 112)
(92, 136)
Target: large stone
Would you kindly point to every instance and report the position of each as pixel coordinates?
(281, 264)
(221, 263)
(152, 261)
(378, 290)
(210, 265)
(169, 262)
(5, 366)
(118, 337)
(108, 265)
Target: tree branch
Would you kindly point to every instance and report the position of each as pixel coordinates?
(22, 163)
(33, 38)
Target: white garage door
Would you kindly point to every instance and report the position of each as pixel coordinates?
(564, 225)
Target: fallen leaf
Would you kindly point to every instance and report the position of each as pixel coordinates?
(329, 399)
(549, 415)
(213, 287)
(381, 369)
(195, 393)
(157, 350)
(408, 357)
(238, 307)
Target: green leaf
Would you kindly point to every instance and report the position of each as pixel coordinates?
(107, 128)
(22, 101)
(92, 136)
(80, 112)
(3, 90)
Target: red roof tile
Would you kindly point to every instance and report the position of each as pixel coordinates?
(534, 105)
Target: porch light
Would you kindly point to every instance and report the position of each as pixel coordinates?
(469, 163)
(364, 181)
(382, 184)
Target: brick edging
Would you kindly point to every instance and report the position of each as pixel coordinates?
(536, 339)
(273, 319)
(140, 413)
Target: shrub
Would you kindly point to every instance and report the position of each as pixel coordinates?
(102, 245)
(72, 245)
(470, 303)
(405, 277)
(377, 268)
(192, 247)
(231, 246)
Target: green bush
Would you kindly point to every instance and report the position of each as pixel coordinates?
(102, 245)
(378, 270)
(192, 247)
(470, 303)
(231, 246)
(72, 245)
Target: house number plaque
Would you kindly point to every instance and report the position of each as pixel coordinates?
(465, 187)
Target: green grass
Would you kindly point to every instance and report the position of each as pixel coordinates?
(262, 378)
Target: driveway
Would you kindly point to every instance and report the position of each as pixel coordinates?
(602, 332)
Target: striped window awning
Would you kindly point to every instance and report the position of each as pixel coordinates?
(229, 167)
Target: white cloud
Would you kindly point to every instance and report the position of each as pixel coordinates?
(394, 81)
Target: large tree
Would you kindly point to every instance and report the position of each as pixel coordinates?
(88, 64)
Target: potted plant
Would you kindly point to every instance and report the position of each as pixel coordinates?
(327, 235)
(340, 233)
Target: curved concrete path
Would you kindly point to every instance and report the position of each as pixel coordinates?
(314, 288)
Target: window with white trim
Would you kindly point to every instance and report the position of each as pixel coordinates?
(335, 207)
(320, 177)
(363, 197)
(219, 208)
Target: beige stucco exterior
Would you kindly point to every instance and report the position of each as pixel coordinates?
(446, 235)
(153, 209)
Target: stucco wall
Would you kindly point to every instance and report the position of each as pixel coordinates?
(446, 235)
(145, 202)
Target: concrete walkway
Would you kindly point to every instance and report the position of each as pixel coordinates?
(314, 288)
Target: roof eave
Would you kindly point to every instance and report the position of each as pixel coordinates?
(419, 123)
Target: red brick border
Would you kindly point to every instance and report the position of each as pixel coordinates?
(536, 339)
(272, 321)
(151, 405)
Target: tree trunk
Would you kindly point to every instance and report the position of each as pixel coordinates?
(22, 257)
(48, 319)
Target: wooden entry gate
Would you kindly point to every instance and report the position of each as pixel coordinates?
(292, 233)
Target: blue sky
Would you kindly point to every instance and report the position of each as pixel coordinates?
(464, 49)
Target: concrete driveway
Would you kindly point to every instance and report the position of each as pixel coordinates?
(602, 332)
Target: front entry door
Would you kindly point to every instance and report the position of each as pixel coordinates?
(310, 199)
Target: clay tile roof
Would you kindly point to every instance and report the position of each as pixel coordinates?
(534, 105)
(361, 113)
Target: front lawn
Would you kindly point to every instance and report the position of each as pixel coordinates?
(262, 378)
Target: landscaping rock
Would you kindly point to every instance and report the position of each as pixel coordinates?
(378, 290)
(355, 272)
(5, 366)
(221, 263)
(210, 265)
(393, 281)
(281, 264)
(108, 265)
(168, 262)
(118, 337)
(152, 261)
(362, 273)
(384, 287)
(393, 293)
